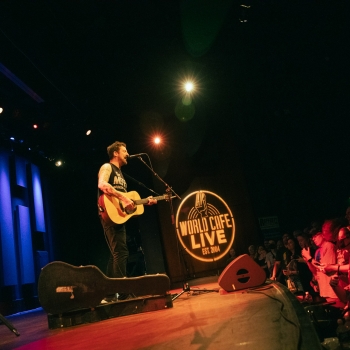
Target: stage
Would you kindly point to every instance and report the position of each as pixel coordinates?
(264, 317)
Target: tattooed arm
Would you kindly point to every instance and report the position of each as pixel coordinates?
(105, 187)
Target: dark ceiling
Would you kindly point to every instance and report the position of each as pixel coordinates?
(272, 79)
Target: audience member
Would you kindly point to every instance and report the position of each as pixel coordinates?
(308, 249)
(332, 229)
(314, 227)
(266, 245)
(292, 271)
(253, 252)
(325, 255)
(304, 274)
(282, 260)
(279, 244)
(343, 255)
(339, 273)
(296, 233)
(261, 260)
(232, 256)
(271, 256)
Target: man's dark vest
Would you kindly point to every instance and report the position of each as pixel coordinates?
(116, 173)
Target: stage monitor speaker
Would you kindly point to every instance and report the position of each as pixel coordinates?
(241, 273)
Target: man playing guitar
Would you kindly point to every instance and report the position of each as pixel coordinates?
(111, 182)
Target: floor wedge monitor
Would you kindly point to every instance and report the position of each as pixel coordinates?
(241, 273)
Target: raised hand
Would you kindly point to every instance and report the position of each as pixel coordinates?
(306, 254)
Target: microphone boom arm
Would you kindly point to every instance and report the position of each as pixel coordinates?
(169, 190)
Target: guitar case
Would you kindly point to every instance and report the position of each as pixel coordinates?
(63, 287)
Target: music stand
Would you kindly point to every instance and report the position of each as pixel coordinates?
(171, 192)
(9, 325)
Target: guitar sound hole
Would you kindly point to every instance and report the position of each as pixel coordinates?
(243, 279)
(130, 211)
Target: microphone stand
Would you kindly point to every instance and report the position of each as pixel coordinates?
(170, 191)
(9, 325)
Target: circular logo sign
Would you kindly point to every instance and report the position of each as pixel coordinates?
(205, 226)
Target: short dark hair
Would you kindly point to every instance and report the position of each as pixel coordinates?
(114, 147)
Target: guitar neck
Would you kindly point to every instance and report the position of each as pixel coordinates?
(145, 200)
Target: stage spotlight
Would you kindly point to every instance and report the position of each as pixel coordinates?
(157, 140)
(58, 163)
(88, 132)
(189, 89)
(189, 86)
(35, 126)
(1, 110)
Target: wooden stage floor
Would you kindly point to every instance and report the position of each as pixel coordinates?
(265, 317)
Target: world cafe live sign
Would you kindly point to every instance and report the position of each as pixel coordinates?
(205, 226)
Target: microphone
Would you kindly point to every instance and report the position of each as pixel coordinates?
(136, 155)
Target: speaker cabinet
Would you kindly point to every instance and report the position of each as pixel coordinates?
(241, 273)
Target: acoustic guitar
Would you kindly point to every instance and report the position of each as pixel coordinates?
(112, 210)
(63, 287)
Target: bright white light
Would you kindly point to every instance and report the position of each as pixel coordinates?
(58, 163)
(1, 110)
(189, 86)
(88, 132)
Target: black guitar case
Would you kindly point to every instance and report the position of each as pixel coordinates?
(63, 287)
